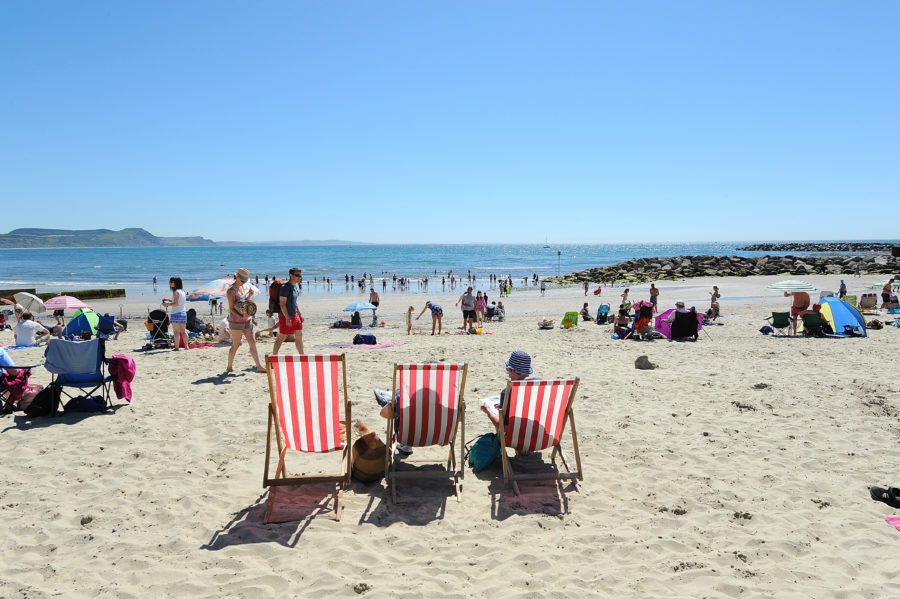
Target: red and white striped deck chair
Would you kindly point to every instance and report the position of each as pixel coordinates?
(429, 409)
(308, 400)
(533, 418)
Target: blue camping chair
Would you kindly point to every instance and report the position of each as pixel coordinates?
(78, 365)
(106, 327)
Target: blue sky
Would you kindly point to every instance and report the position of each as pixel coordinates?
(453, 121)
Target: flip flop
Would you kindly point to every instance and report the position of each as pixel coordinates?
(890, 496)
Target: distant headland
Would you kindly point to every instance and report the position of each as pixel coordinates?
(124, 238)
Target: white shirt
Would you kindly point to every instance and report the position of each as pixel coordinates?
(27, 331)
(178, 306)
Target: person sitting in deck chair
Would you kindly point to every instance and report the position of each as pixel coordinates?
(518, 368)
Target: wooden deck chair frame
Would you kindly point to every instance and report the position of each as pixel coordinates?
(452, 469)
(277, 423)
(515, 391)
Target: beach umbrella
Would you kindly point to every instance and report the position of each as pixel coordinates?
(665, 328)
(7, 302)
(197, 296)
(217, 288)
(357, 306)
(64, 302)
(894, 285)
(31, 303)
(791, 285)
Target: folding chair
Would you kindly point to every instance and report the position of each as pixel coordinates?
(570, 319)
(428, 407)
(306, 403)
(78, 365)
(812, 324)
(850, 299)
(780, 321)
(533, 418)
(868, 302)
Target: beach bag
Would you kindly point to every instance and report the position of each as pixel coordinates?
(874, 324)
(82, 403)
(274, 291)
(364, 339)
(367, 458)
(484, 451)
(45, 403)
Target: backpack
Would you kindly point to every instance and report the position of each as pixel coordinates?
(45, 403)
(484, 452)
(274, 292)
(364, 340)
(83, 403)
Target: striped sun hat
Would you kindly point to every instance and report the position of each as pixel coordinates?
(520, 362)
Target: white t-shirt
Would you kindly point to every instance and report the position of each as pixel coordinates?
(271, 322)
(27, 331)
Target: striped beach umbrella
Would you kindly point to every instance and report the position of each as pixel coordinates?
(64, 302)
(791, 285)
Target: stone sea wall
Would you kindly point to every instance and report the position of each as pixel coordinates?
(841, 246)
(683, 267)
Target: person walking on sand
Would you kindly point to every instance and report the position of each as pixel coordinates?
(178, 317)
(543, 287)
(654, 295)
(238, 323)
(436, 314)
(585, 288)
(714, 296)
(843, 290)
(374, 299)
(626, 303)
(290, 322)
(468, 308)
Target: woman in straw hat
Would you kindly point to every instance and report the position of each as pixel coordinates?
(239, 323)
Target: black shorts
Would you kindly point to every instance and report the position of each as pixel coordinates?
(375, 304)
(59, 313)
(886, 298)
(469, 314)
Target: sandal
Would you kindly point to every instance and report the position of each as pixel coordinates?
(890, 496)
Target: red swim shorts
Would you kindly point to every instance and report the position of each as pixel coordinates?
(290, 326)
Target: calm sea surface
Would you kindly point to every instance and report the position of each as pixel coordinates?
(134, 268)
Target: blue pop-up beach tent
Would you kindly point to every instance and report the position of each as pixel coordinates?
(840, 314)
(83, 321)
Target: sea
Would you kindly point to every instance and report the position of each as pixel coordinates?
(51, 270)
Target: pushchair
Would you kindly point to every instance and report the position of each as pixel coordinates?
(642, 327)
(158, 325)
(602, 313)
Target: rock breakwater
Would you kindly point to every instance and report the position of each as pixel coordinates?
(841, 246)
(684, 267)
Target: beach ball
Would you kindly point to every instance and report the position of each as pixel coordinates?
(614, 336)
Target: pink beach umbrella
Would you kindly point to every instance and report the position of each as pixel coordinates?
(666, 327)
(64, 302)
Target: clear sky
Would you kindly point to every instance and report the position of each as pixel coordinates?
(453, 121)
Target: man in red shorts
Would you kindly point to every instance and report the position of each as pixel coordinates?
(289, 320)
(799, 304)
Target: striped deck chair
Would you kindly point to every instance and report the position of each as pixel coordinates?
(307, 405)
(428, 411)
(570, 319)
(533, 418)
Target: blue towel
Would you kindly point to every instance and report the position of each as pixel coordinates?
(73, 357)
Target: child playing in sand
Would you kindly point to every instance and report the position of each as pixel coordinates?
(409, 320)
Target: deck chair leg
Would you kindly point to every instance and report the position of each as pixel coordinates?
(339, 503)
(575, 445)
(274, 489)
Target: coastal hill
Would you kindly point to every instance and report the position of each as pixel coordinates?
(64, 238)
(129, 238)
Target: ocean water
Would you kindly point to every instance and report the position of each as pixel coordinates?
(134, 268)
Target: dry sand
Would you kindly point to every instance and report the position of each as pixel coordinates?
(739, 467)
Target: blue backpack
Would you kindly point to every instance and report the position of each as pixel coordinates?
(484, 451)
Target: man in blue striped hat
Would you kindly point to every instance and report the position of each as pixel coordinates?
(518, 368)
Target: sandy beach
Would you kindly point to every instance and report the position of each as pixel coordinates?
(737, 468)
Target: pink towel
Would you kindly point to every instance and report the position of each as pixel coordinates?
(895, 522)
(122, 369)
